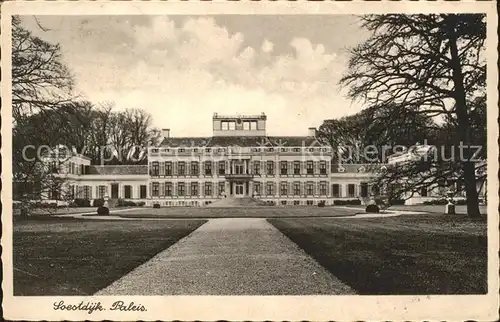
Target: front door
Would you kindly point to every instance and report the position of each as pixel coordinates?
(238, 189)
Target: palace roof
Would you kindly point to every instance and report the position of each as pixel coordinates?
(118, 169)
(243, 141)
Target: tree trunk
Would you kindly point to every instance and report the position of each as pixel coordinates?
(463, 128)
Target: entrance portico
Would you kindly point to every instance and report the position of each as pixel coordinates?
(239, 179)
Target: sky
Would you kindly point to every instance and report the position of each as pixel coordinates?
(182, 69)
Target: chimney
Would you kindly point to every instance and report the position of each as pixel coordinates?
(165, 133)
(311, 132)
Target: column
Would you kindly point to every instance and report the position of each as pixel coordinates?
(226, 188)
(250, 188)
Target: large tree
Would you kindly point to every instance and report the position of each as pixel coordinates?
(364, 136)
(432, 65)
(41, 85)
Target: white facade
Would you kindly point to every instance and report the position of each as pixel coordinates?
(238, 160)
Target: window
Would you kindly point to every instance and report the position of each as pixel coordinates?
(238, 168)
(310, 167)
(195, 168)
(156, 189)
(283, 202)
(296, 188)
(269, 189)
(232, 126)
(142, 191)
(270, 149)
(246, 126)
(253, 125)
(208, 168)
(222, 187)
(296, 203)
(256, 188)
(350, 190)
(423, 192)
(270, 167)
(155, 168)
(335, 190)
(224, 125)
(296, 167)
(54, 192)
(194, 188)
(71, 192)
(168, 189)
(181, 168)
(256, 168)
(284, 149)
(310, 202)
(283, 188)
(222, 167)
(309, 188)
(86, 192)
(283, 167)
(208, 188)
(101, 192)
(322, 167)
(128, 192)
(296, 149)
(322, 188)
(53, 167)
(181, 189)
(208, 150)
(182, 150)
(168, 168)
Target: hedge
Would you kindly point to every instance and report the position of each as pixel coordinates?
(347, 202)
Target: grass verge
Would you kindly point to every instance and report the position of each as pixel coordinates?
(68, 256)
(409, 254)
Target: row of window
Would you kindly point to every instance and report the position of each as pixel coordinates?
(194, 203)
(72, 168)
(101, 191)
(222, 150)
(169, 168)
(182, 189)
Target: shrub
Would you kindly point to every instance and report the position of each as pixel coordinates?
(98, 202)
(128, 203)
(140, 203)
(436, 202)
(397, 202)
(82, 202)
(461, 202)
(156, 205)
(373, 209)
(321, 203)
(347, 202)
(103, 211)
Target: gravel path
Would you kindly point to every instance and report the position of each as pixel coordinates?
(230, 256)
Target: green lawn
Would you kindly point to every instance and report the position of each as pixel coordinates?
(409, 254)
(67, 256)
(238, 212)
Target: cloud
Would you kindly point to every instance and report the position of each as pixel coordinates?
(184, 71)
(267, 46)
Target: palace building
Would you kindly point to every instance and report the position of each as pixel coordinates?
(239, 160)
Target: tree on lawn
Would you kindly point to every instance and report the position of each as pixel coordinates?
(434, 66)
(41, 85)
(360, 138)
